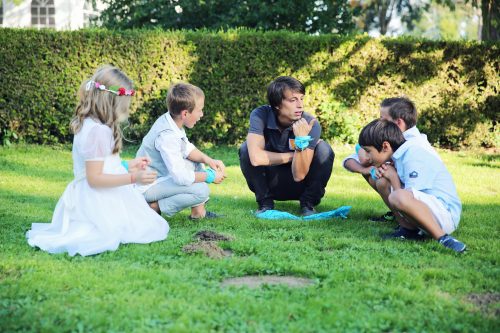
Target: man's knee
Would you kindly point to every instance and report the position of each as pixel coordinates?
(323, 153)
(243, 152)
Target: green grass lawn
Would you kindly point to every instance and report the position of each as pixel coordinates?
(361, 283)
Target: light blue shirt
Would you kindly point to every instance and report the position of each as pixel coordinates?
(421, 169)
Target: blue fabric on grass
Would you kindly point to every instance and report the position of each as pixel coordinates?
(273, 214)
(339, 212)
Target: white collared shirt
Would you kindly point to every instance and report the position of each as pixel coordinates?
(174, 148)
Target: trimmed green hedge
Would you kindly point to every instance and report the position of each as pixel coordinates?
(455, 84)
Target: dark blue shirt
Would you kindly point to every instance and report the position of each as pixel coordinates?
(263, 121)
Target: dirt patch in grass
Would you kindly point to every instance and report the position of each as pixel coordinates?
(259, 280)
(210, 249)
(486, 302)
(206, 244)
(207, 235)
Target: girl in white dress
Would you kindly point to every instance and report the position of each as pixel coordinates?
(101, 208)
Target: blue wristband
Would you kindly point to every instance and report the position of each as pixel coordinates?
(302, 142)
(373, 174)
(125, 165)
(357, 147)
(210, 175)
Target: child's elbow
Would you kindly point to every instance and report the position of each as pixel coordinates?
(92, 183)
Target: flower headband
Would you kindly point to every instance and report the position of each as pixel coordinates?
(120, 91)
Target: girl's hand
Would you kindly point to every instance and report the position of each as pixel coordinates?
(139, 163)
(143, 177)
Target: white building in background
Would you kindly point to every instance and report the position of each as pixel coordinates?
(56, 14)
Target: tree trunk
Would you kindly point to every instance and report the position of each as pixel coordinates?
(382, 16)
(490, 11)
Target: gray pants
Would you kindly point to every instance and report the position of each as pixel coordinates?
(173, 198)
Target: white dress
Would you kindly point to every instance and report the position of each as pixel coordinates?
(88, 220)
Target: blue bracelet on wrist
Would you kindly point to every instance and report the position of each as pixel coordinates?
(357, 147)
(210, 175)
(302, 142)
(125, 165)
(373, 174)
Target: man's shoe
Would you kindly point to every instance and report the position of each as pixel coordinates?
(387, 217)
(208, 215)
(452, 243)
(263, 208)
(307, 210)
(406, 234)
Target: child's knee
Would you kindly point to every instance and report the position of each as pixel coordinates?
(382, 185)
(201, 191)
(399, 199)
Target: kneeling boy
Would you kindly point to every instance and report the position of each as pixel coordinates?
(423, 193)
(182, 182)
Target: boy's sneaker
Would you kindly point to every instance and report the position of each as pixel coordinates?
(387, 217)
(406, 234)
(452, 243)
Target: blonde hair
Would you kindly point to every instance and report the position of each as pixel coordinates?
(103, 106)
(183, 96)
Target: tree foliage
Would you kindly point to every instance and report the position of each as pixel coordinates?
(320, 16)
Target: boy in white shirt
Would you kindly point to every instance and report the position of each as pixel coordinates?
(423, 194)
(182, 181)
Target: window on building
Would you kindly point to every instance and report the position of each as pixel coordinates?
(90, 14)
(43, 14)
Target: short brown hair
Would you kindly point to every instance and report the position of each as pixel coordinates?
(402, 108)
(276, 90)
(183, 96)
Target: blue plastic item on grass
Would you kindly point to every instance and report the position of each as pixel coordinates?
(273, 214)
(341, 212)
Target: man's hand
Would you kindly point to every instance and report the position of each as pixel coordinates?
(302, 128)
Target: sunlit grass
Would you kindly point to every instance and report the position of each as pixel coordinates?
(361, 282)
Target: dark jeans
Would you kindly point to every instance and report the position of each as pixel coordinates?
(271, 183)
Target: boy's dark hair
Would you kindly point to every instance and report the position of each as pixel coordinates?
(276, 89)
(401, 108)
(380, 130)
(388, 102)
(183, 96)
